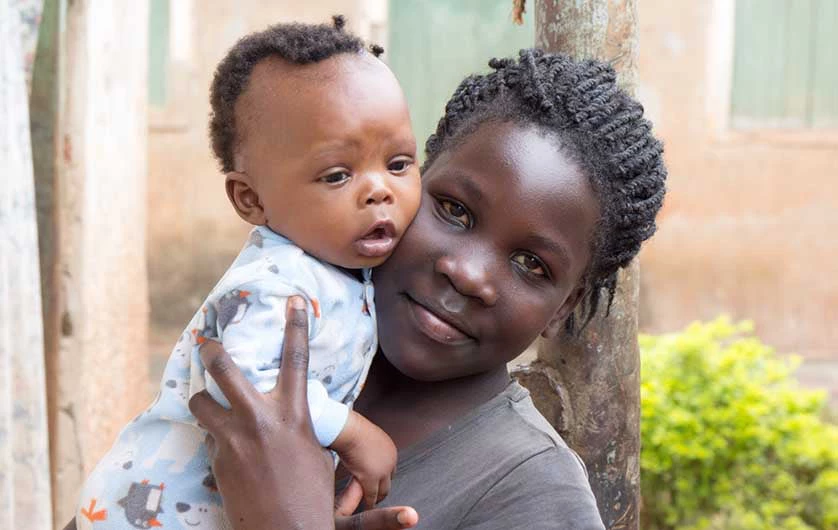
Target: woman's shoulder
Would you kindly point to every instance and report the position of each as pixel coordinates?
(548, 484)
(501, 433)
(547, 490)
(525, 431)
(499, 458)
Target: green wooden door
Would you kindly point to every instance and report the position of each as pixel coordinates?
(434, 44)
(785, 67)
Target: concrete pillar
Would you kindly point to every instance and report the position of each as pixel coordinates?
(98, 365)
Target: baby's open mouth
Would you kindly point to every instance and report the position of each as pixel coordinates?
(378, 241)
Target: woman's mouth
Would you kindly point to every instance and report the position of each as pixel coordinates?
(378, 241)
(434, 326)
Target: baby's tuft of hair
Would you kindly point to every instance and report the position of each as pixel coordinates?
(296, 43)
(598, 124)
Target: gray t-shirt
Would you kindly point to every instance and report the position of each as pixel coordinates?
(502, 467)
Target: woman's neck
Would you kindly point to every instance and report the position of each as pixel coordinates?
(410, 410)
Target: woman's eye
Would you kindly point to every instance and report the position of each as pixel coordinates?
(530, 264)
(456, 212)
(399, 165)
(337, 177)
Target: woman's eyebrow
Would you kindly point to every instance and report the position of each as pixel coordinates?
(469, 186)
(551, 245)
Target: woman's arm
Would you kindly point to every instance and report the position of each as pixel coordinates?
(268, 466)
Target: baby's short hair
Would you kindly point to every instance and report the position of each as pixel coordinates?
(295, 43)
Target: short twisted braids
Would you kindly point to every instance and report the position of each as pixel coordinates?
(599, 126)
(295, 43)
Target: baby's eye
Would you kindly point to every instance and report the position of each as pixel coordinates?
(400, 165)
(456, 212)
(338, 177)
(530, 264)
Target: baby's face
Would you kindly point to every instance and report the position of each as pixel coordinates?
(327, 157)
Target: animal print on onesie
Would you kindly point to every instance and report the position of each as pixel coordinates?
(157, 473)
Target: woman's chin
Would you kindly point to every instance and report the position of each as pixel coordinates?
(416, 367)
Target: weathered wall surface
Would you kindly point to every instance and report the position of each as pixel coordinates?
(750, 221)
(24, 463)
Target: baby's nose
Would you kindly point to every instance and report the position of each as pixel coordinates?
(376, 191)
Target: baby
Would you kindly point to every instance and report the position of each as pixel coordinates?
(314, 136)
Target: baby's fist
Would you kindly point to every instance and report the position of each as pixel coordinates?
(369, 454)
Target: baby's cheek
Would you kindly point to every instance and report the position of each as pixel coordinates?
(412, 197)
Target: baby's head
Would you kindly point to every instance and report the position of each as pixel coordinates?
(314, 136)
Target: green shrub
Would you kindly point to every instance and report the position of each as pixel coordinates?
(729, 440)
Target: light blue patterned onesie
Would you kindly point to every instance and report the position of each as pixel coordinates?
(157, 473)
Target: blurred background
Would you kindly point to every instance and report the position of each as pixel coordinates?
(744, 94)
(747, 109)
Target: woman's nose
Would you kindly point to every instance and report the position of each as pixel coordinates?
(376, 191)
(470, 276)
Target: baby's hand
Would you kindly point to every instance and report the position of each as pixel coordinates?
(369, 454)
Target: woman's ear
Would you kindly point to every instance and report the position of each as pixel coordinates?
(557, 322)
(244, 198)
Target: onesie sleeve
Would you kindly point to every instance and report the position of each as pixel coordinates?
(249, 320)
(328, 417)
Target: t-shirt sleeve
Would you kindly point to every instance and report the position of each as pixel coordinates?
(547, 491)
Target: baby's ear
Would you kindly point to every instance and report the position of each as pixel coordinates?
(244, 198)
(557, 322)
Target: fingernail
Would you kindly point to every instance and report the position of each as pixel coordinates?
(297, 303)
(402, 518)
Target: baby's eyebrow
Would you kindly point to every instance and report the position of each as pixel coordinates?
(335, 144)
(327, 151)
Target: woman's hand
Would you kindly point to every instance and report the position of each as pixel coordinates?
(378, 519)
(268, 466)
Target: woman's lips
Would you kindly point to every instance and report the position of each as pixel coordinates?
(434, 327)
(378, 241)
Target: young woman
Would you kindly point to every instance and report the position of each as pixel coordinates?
(541, 182)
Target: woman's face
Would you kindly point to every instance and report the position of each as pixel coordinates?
(494, 257)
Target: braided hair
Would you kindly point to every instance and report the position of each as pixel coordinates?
(604, 131)
(296, 43)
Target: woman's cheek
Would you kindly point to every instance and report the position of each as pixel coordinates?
(421, 230)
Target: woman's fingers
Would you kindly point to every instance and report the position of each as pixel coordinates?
(293, 372)
(232, 382)
(347, 502)
(209, 414)
(394, 518)
(212, 447)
